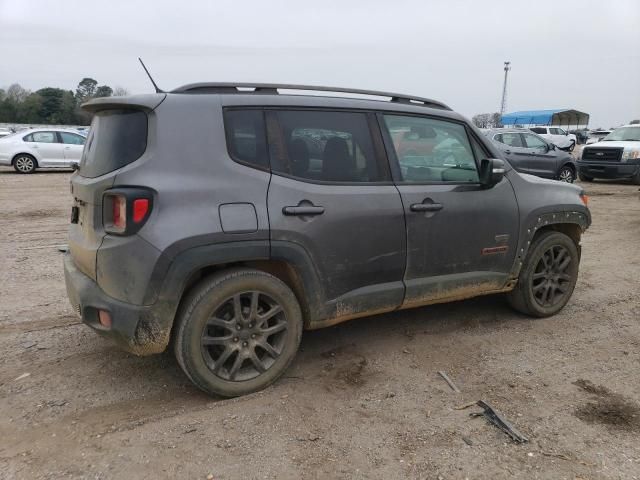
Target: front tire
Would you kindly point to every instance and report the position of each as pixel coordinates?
(548, 276)
(566, 175)
(24, 163)
(237, 332)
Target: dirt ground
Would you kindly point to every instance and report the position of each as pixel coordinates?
(362, 399)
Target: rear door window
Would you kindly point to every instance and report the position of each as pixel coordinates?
(44, 137)
(538, 130)
(326, 146)
(511, 139)
(117, 138)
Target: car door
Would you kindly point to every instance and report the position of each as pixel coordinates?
(511, 144)
(331, 194)
(48, 149)
(461, 237)
(73, 145)
(543, 159)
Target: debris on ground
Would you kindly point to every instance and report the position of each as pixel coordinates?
(449, 381)
(28, 344)
(465, 406)
(24, 375)
(494, 417)
(468, 441)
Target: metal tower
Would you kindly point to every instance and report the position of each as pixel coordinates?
(503, 105)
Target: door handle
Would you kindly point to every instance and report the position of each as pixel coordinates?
(303, 210)
(426, 207)
(507, 151)
(67, 148)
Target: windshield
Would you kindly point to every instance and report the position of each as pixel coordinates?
(624, 134)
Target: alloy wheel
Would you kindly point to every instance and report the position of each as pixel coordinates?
(566, 175)
(24, 164)
(551, 279)
(244, 336)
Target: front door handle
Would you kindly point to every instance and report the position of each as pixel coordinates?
(303, 210)
(426, 207)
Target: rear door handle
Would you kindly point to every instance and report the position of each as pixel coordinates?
(303, 210)
(426, 207)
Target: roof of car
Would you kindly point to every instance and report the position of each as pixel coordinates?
(275, 88)
(509, 130)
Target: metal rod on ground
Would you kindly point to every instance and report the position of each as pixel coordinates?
(449, 381)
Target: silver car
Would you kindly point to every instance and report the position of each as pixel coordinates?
(41, 148)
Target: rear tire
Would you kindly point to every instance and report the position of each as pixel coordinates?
(548, 276)
(566, 174)
(237, 332)
(24, 163)
(584, 178)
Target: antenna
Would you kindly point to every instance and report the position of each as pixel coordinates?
(503, 104)
(158, 90)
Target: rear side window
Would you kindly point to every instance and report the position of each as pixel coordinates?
(326, 147)
(538, 130)
(117, 138)
(246, 137)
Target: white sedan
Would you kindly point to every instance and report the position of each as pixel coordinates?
(41, 148)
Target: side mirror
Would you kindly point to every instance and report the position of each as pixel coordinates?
(550, 146)
(491, 171)
(75, 166)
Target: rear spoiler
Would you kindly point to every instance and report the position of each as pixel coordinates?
(144, 102)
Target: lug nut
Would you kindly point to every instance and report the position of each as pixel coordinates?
(235, 339)
(238, 327)
(253, 335)
(244, 344)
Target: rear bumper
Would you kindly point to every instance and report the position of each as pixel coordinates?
(607, 169)
(141, 330)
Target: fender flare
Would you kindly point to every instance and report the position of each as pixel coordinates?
(542, 218)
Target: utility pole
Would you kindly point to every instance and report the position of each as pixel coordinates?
(503, 105)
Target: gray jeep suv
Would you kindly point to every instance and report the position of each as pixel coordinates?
(225, 219)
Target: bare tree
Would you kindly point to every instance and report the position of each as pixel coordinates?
(487, 120)
(120, 92)
(16, 93)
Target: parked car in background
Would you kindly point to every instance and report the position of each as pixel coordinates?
(582, 135)
(616, 156)
(529, 153)
(5, 132)
(556, 135)
(597, 135)
(42, 147)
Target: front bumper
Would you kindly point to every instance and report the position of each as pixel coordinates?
(135, 328)
(611, 170)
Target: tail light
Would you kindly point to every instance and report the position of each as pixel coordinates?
(125, 210)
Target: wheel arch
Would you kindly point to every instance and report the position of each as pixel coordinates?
(174, 278)
(572, 223)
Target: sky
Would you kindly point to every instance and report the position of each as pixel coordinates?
(578, 54)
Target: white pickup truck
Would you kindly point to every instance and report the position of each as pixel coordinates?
(615, 156)
(556, 135)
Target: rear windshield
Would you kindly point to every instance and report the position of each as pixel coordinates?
(116, 138)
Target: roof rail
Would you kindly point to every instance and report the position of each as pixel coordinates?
(272, 88)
